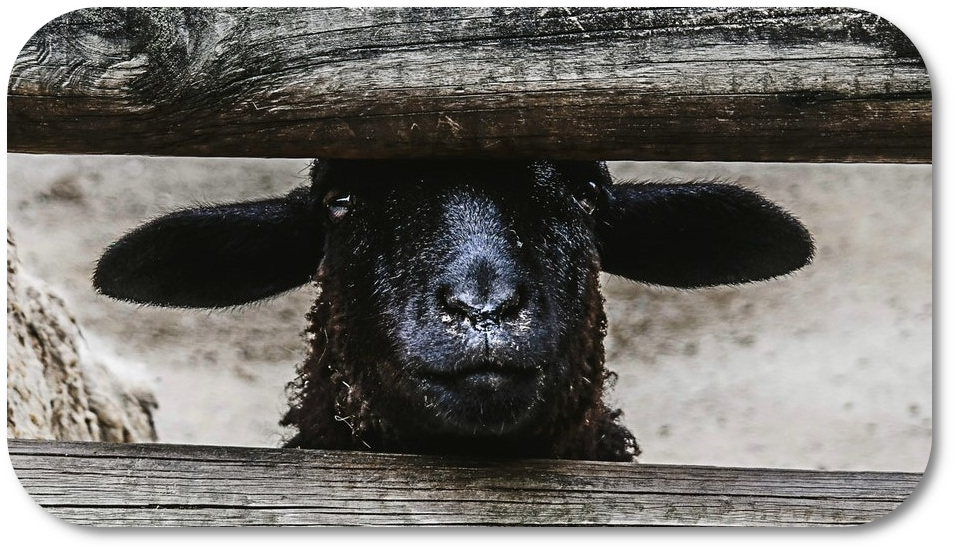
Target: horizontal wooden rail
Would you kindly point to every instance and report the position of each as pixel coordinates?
(801, 84)
(110, 484)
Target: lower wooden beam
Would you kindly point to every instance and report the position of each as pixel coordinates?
(179, 485)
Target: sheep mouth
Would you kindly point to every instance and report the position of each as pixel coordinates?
(482, 376)
(482, 399)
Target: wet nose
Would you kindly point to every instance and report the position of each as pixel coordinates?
(485, 296)
(482, 311)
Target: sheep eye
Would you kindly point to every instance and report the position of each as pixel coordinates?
(338, 205)
(586, 198)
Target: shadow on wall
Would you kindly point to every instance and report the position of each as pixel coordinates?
(828, 368)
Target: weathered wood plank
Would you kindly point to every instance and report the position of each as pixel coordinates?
(109, 484)
(798, 84)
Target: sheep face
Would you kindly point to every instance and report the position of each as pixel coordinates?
(471, 283)
(459, 308)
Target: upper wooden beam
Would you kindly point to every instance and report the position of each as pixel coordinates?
(149, 485)
(801, 85)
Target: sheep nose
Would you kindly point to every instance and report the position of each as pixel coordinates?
(483, 310)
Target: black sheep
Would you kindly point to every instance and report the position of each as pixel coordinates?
(460, 310)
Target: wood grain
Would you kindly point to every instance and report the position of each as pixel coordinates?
(799, 84)
(175, 485)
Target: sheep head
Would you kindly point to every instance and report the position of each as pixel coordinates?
(462, 295)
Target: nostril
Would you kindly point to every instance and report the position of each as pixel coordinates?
(450, 302)
(512, 302)
(457, 305)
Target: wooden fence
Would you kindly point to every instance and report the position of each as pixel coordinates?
(797, 85)
(693, 84)
(175, 485)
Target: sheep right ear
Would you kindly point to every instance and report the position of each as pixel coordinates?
(216, 256)
(698, 234)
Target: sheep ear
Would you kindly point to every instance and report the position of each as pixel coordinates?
(215, 256)
(698, 234)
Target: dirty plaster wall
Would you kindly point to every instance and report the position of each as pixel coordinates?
(829, 368)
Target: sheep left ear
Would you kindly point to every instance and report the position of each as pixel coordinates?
(698, 234)
(217, 255)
